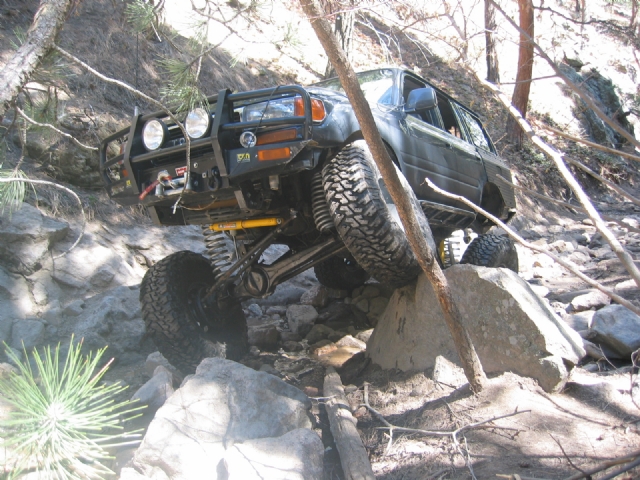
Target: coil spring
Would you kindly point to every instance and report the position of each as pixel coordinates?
(216, 249)
(319, 206)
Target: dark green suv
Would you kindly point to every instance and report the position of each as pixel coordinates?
(287, 165)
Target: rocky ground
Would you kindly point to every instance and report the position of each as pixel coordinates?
(92, 292)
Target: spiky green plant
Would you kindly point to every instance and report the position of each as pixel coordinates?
(181, 92)
(63, 418)
(11, 192)
(141, 15)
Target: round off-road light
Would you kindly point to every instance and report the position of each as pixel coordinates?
(248, 139)
(197, 122)
(153, 134)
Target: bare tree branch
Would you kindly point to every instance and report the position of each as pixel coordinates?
(57, 130)
(587, 142)
(568, 265)
(47, 22)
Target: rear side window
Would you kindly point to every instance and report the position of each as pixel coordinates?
(476, 132)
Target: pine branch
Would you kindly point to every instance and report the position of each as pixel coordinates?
(57, 130)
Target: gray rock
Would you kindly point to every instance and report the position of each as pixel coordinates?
(296, 455)
(580, 321)
(28, 333)
(349, 341)
(157, 390)
(510, 326)
(277, 310)
(301, 318)
(370, 291)
(264, 337)
(318, 296)
(448, 373)
(255, 310)
(74, 308)
(154, 360)
(291, 346)
(594, 299)
(26, 237)
(223, 404)
(365, 335)
(618, 328)
(377, 306)
(362, 304)
(318, 332)
(14, 296)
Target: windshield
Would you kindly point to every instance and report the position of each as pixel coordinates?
(376, 85)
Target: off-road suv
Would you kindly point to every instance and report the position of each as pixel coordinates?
(288, 165)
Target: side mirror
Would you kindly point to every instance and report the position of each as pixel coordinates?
(421, 99)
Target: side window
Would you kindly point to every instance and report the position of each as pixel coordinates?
(476, 132)
(449, 121)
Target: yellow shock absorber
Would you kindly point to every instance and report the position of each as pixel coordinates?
(241, 224)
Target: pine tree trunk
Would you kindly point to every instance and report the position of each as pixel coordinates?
(47, 22)
(425, 256)
(343, 30)
(493, 70)
(520, 98)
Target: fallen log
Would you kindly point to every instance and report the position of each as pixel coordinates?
(353, 456)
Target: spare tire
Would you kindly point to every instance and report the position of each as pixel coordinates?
(186, 328)
(367, 219)
(490, 250)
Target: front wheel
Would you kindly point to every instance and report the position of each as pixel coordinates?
(489, 250)
(185, 327)
(366, 218)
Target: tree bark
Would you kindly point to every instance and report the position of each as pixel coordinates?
(41, 36)
(493, 69)
(425, 256)
(520, 98)
(343, 30)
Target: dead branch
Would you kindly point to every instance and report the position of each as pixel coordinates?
(575, 467)
(591, 144)
(608, 183)
(353, 456)
(57, 130)
(632, 460)
(577, 208)
(568, 265)
(61, 187)
(581, 93)
(623, 255)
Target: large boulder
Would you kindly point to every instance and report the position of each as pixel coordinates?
(223, 420)
(511, 328)
(26, 238)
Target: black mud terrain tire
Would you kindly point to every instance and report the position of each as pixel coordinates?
(366, 218)
(489, 250)
(184, 328)
(341, 273)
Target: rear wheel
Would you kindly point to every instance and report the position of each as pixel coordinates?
(184, 326)
(366, 218)
(341, 273)
(489, 250)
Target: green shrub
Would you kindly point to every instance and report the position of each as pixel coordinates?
(62, 418)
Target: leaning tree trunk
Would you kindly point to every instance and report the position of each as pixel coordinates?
(491, 55)
(425, 256)
(343, 30)
(520, 98)
(47, 22)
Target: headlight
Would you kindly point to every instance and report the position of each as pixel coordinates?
(282, 107)
(197, 122)
(153, 134)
